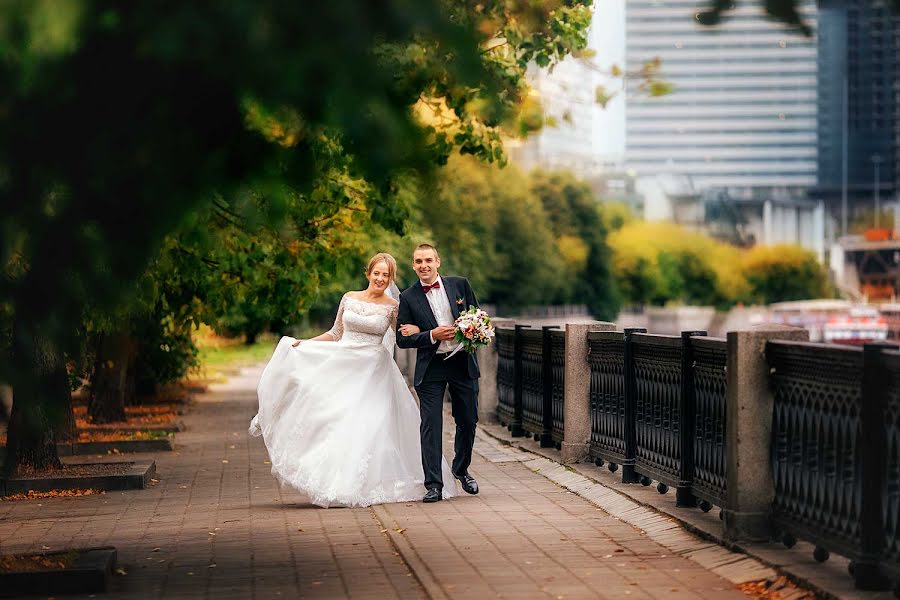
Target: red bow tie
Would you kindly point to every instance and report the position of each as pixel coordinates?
(434, 286)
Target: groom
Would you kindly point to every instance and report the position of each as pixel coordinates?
(433, 304)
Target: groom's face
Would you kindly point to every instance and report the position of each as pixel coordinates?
(426, 263)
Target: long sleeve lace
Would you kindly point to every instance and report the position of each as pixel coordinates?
(337, 330)
(390, 336)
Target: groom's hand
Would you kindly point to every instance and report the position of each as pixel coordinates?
(443, 333)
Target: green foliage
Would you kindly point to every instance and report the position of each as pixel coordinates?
(158, 161)
(165, 352)
(520, 239)
(615, 215)
(574, 216)
(121, 121)
(784, 272)
(490, 228)
(659, 263)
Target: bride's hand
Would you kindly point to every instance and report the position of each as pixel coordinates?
(408, 330)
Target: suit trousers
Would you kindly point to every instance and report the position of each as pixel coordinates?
(452, 373)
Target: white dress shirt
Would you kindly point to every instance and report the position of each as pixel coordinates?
(440, 307)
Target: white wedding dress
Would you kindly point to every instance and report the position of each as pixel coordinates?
(338, 419)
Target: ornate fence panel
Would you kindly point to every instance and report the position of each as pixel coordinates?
(891, 486)
(816, 434)
(506, 355)
(532, 381)
(658, 383)
(607, 362)
(709, 372)
(558, 367)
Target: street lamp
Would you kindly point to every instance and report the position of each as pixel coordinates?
(876, 160)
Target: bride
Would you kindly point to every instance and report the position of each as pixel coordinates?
(336, 415)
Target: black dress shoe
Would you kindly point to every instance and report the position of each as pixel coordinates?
(432, 495)
(469, 485)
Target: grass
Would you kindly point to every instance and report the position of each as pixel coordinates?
(220, 355)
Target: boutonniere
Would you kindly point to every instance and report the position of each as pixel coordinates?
(460, 301)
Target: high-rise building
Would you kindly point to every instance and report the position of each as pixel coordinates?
(859, 90)
(743, 109)
(566, 142)
(582, 136)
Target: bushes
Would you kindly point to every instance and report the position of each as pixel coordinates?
(165, 353)
(658, 263)
(782, 273)
(661, 263)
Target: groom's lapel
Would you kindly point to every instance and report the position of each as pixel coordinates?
(424, 307)
(452, 295)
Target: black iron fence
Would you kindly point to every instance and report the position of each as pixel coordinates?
(656, 369)
(606, 356)
(506, 345)
(708, 358)
(642, 405)
(540, 355)
(658, 409)
(834, 452)
(532, 350)
(555, 348)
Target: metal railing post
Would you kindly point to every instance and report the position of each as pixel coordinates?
(684, 497)
(547, 387)
(629, 475)
(516, 429)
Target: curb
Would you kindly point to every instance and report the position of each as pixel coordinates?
(136, 478)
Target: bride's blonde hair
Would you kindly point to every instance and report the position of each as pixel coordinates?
(388, 260)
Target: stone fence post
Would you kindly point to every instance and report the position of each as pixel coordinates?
(577, 391)
(488, 360)
(748, 435)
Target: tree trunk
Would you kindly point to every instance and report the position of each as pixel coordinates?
(64, 422)
(250, 338)
(5, 402)
(42, 402)
(131, 391)
(107, 403)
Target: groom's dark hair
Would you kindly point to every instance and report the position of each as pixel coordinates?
(427, 247)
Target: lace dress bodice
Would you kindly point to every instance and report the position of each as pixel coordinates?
(363, 322)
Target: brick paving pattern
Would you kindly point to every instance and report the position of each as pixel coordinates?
(216, 525)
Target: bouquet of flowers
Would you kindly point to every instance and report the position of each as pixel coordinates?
(473, 329)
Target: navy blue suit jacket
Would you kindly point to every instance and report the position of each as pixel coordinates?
(415, 310)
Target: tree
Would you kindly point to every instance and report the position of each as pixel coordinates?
(496, 232)
(784, 272)
(657, 263)
(119, 120)
(581, 236)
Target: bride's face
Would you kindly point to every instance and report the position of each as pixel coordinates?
(379, 277)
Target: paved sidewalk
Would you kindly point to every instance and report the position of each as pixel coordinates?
(216, 525)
